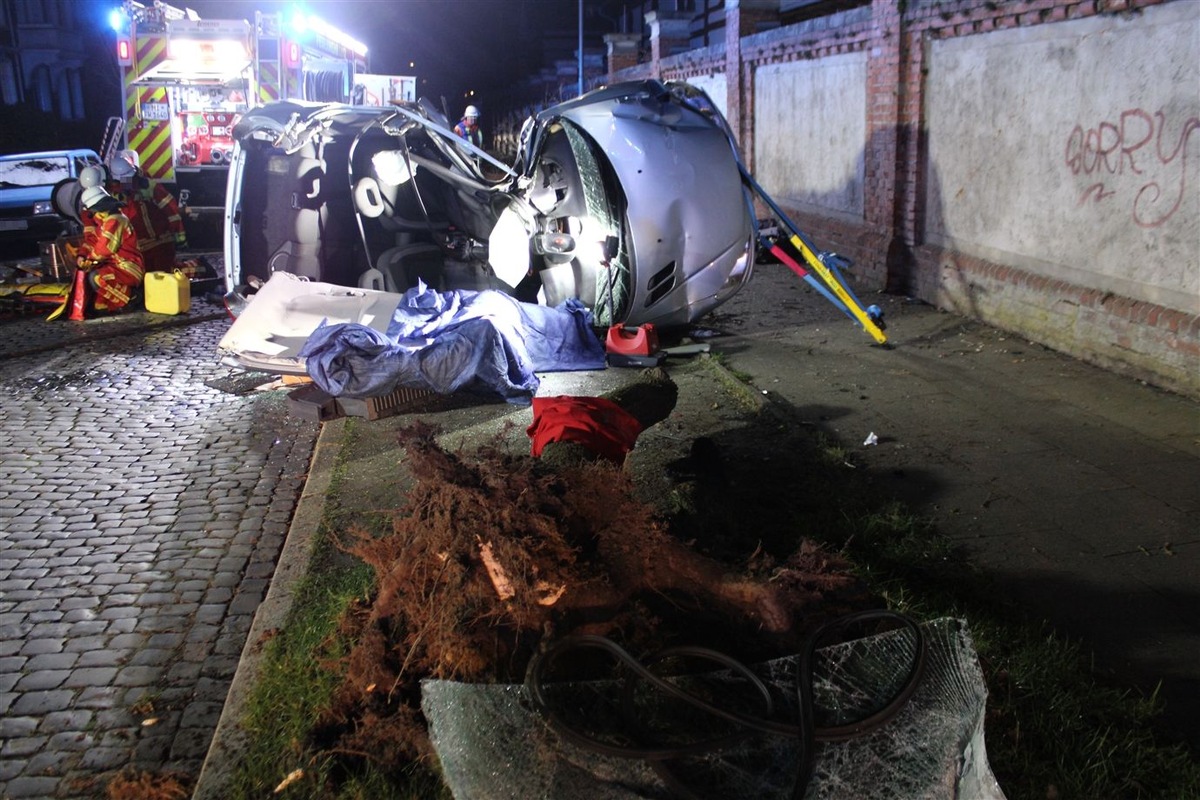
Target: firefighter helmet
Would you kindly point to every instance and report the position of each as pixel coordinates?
(121, 169)
(92, 196)
(91, 176)
(125, 164)
(471, 111)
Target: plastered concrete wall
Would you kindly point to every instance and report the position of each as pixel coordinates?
(1029, 163)
(1072, 151)
(714, 85)
(810, 130)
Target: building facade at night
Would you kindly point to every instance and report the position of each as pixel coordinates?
(43, 55)
(58, 80)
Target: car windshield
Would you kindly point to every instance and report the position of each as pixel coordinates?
(44, 171)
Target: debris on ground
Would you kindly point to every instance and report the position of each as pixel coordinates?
(494, 556)
(132, 784)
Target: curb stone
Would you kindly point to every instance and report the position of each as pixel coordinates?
(229, 737)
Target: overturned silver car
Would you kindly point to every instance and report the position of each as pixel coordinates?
(628, 199)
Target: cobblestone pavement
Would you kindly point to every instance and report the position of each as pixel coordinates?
(141, 515)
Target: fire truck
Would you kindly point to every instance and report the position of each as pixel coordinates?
(185, 81)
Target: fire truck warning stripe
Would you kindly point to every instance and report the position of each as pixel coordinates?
(151, 50)
(153, 144)
(268, 82)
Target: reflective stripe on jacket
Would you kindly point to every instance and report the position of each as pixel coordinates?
(111, 243)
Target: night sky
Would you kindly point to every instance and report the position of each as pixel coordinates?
(455, 45)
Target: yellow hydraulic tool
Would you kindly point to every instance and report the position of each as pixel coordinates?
(871, 322)
(835, 285)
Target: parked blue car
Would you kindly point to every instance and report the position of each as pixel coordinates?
(27, 184)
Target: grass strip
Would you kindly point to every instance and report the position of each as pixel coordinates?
(295, 686)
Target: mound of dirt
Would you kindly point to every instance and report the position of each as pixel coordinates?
(493, 556)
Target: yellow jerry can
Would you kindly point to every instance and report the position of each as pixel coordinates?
(168, 292)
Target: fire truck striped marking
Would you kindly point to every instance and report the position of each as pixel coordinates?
(151, 139)
(151, 51)
(268, 81)
(153, 144)
(154, 148)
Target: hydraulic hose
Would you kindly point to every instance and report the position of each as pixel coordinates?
(804, 729)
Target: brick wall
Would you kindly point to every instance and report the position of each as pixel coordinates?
(1154, 343)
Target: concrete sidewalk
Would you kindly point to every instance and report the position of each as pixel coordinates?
(1077, 489)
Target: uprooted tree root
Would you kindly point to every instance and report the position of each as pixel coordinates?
(495, 555)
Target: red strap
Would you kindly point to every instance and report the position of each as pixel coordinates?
(778, 252)
(599, 424)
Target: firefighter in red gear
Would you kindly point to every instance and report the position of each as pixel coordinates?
(152, 209)
(109, 253)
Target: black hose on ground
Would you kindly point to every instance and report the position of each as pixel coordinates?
(804, 730)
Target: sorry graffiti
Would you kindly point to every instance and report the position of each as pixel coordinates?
(1148, 147)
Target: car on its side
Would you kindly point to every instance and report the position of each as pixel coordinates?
(27, 184)
(629, 199)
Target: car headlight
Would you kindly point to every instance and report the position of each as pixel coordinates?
(43, 207)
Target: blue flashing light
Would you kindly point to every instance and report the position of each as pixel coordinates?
(118, 20)
(304, 25)
(298, 22)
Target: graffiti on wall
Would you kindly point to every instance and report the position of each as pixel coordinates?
(1149, 147)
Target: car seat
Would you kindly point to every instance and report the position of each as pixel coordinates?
(403, 264)
(300, 255)
(393, 230)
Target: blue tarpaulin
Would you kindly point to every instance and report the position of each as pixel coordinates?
(483, 342)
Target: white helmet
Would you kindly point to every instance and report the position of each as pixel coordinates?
(471, 111)
(92, 196)
(124, 164)
(91, 176)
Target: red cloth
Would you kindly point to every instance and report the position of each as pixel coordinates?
(599, 424)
